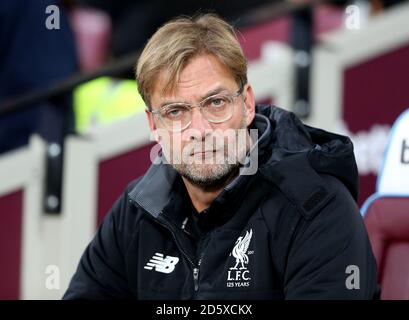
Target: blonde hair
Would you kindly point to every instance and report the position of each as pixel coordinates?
(178, 41)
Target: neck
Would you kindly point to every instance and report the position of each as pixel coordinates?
(202, 197)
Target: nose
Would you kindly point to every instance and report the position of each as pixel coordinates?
(198, 126)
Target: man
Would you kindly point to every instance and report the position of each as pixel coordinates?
(269, 215)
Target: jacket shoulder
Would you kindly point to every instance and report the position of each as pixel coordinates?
(307, 190)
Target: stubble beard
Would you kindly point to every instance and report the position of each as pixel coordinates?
(212, 176)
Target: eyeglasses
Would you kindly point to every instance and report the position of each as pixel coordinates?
(218, 108)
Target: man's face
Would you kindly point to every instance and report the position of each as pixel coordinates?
(205, 153)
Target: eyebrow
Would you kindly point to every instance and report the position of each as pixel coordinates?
(212, 92)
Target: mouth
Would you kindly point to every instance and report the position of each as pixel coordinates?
(202, 153)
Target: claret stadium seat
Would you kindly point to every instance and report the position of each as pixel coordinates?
(386, 215)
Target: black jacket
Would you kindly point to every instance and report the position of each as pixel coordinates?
(290, 231)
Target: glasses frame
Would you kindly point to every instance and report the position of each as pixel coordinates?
(199, 105)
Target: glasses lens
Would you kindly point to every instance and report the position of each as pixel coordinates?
(176, 116)
(218, 108)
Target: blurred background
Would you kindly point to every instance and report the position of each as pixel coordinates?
(73, 132)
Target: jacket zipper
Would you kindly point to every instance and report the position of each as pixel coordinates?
(196, 273)
(196, 278)
(195, 267)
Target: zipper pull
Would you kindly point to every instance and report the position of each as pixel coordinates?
(196, 278)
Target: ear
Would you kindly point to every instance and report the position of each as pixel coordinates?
(249, 103)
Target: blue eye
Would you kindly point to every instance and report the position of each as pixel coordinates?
(175, 112)
(218, 102)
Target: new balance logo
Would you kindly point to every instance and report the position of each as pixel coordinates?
(161, 264)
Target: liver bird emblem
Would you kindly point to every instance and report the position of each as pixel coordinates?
(240, 250)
